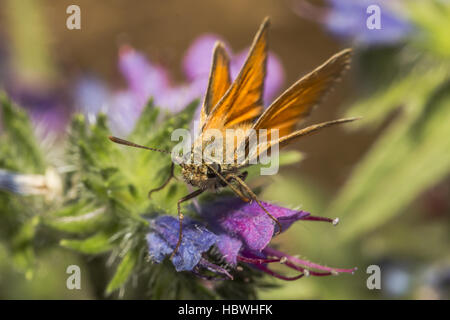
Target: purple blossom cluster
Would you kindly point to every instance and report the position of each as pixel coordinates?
(241, 232)
(147, 79)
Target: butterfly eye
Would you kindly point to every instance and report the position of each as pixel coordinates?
(210, 173)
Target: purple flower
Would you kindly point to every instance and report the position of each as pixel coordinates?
(248, 223)
(197, 60)
(123, 112)
(245, 231)
(348, 20)
(240, 231)
(144, 78)
(147, 79)
(197, 65)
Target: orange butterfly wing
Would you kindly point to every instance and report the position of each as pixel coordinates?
(297, 102)
(287, 139)
(219, 81)
(243, 102)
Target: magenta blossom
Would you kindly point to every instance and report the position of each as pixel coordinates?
(245, 231)
(240, 231)
(147, 79)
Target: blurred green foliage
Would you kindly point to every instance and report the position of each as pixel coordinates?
(18, 221)
(413, 152)
(405, 97)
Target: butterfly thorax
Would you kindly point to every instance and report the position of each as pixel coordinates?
(201, 176)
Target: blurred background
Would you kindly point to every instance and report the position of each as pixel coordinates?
(386, 177)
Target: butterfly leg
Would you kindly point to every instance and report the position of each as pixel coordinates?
(238, 191)
(243, 176)
(254, 197)
(172, 168)
(181, 217)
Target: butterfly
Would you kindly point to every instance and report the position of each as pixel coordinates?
(238, 105)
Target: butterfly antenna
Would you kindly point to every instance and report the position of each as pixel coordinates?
(132, 144)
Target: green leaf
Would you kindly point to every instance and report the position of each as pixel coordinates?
(419, 82)
(18, 136)
(71, 209)
(82, 223)
(411, 156)
(161, 137)
(22, 247)
(123, 272)
(98, 243)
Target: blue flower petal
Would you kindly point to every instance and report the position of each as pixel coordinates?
(347, 19)
(91, 95)
(196, 240)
